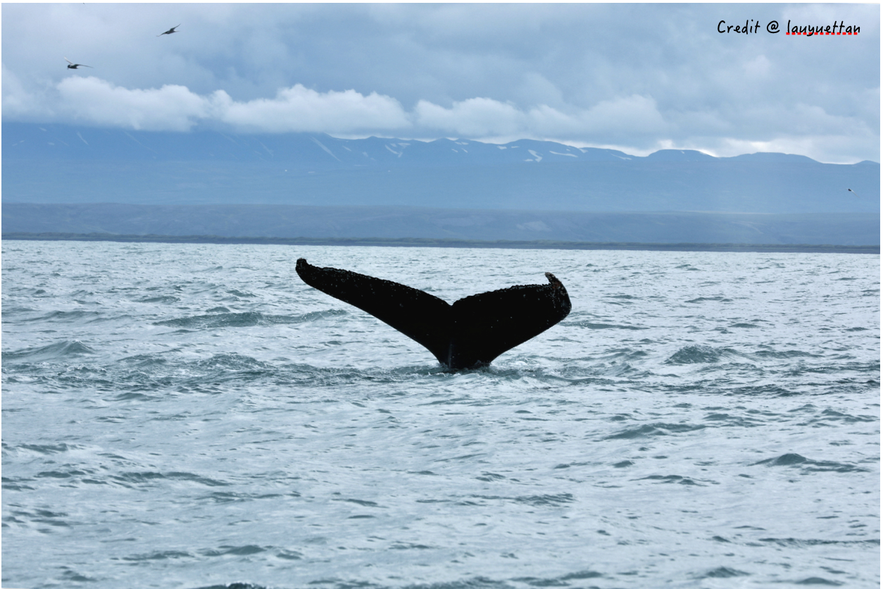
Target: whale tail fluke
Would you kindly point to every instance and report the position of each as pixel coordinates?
(417, 314)
(471, 332)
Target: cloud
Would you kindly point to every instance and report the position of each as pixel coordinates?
(18, 102)
(94, 101)
(301, 109)
(631, 114)
(475, 117)
(634, 77)
(486, 118)
(633, 123)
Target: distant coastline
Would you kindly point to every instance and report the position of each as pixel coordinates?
(462, 243)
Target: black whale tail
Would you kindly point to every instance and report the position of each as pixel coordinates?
(471, 332)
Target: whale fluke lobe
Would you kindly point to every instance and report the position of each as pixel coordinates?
(471, 332)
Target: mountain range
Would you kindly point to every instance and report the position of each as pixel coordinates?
(538, 185)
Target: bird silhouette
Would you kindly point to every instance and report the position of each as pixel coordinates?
(852, 191)
(72, 66)
(170, 31)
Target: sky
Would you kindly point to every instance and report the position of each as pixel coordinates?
(633, 77)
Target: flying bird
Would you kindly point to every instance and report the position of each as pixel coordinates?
(170, 31)
(852, 191)
(72, 66)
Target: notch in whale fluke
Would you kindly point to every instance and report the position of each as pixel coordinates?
(470, 333)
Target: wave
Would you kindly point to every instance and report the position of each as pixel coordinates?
(48, 448)
(622, 299)
(240, 586)
(800, 543)
(698, 354)
(145, 377)
(771, 390)
(234, 497)
(676, 479)
(654, 429)
(546, 500)
(129, 479)
(54, 351)
(831, 415)
(165, 299)
(710, 299)
(232, 362)
(723, 573)
(224, 318)
(591, 325)
(245, 550)
(746, 325)
(473, 583)
(785, 355)
(12, 310)
(158, 555)
(144, 360)
(727, 420)
(65, 316)
(807, 465)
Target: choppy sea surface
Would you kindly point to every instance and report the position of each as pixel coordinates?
(195, 416)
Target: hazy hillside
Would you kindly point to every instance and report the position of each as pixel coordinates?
(59, 164)
(321, 186)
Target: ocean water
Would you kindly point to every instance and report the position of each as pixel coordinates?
(182, 415)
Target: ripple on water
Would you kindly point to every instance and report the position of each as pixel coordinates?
(203, 410)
